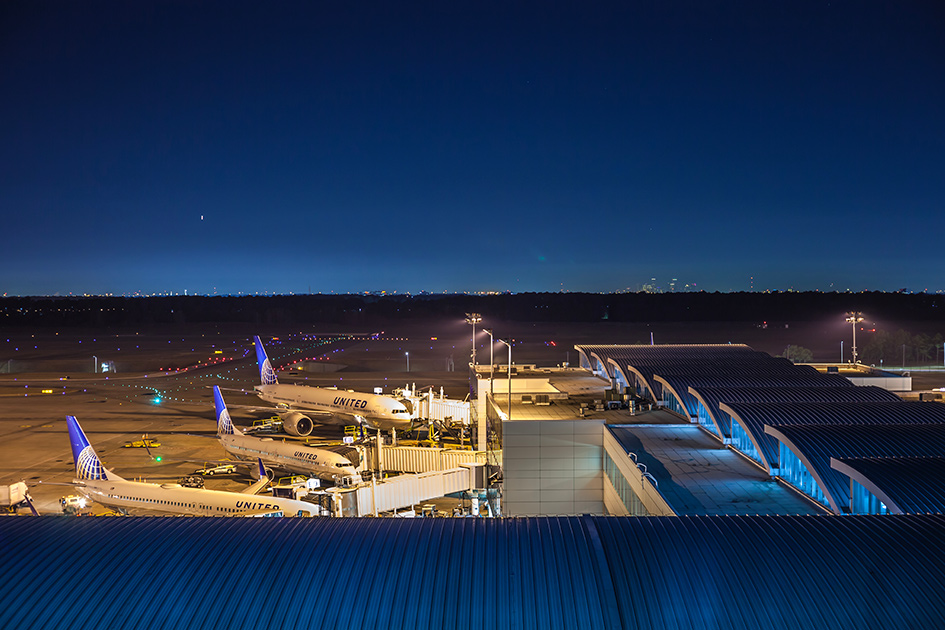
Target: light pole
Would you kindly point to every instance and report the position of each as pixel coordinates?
(509, 415)
(407, 354)
(491, 359)
(473, 318)
(854, 318)
(94, 364)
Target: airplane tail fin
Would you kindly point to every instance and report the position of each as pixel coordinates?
(224, 424)
(267, 376)
(87, 463)
(262, 478)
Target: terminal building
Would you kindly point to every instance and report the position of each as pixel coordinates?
(695, 486)
(690, 430)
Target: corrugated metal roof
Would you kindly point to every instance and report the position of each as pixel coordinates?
(783, 392)
(772, 572)
(638, 353)
(909, 485)
(760, 365)
(816, 444)
(577, 572)
(754, 416)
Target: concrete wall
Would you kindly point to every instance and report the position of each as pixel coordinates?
(552, 467)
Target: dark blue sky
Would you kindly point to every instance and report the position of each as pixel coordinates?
(465, 146)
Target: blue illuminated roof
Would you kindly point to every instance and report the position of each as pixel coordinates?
(819, 389)
(754, 416)
(907, 485)
(815, 445)
(696, 475)
(570, 572)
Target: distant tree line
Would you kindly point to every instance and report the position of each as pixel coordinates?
(902, 348)
(798, 354)
(535, 307)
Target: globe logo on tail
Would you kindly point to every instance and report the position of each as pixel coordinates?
(88, 465)
(224, 424)
(268, 374)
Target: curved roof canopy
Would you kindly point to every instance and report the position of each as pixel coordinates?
(574, 572)
(753, 417)
(622, 355)
(816, 444)
(786, 391)
(907, 485)
(760, 366)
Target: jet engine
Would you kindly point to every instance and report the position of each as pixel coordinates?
(298, 424)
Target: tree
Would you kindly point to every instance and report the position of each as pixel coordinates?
(798, 354)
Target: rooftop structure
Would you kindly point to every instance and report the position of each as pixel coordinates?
(575, 572)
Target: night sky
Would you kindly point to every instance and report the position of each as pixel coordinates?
(344, 146)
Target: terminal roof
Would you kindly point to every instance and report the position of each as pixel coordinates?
(697, 475)
(907, 485)
(816, 444)
(754, 416)
(568, 572)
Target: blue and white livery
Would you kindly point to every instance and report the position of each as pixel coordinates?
(103, 486)
(296, 403)
(290, 457)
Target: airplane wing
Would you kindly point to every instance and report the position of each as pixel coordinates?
(282, 410)
(260, 483)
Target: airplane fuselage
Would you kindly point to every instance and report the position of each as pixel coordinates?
(176, 499)
(376, 411)
(291, 457)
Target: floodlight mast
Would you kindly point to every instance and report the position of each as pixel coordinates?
(854, 317)
(473, 318)
(509, 344)
(488, 331)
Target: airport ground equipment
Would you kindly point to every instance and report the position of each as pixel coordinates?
(210, 470)
(144, 442)
(74, 505)
(13, 496)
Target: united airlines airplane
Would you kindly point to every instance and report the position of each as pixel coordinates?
(102, 485)
(296, 403)
(291, 457)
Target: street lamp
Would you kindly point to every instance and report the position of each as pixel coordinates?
(407, 354)
(509, 415)
(854, 317)
(491, 360)
(473, 318)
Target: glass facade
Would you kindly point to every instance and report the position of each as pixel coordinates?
(675, 404)
(795, 473)
(621, 383)
(702, 415)
(743, 444)
(862, 501)
(628, 497)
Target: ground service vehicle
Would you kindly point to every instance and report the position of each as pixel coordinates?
(144, 442)
(221, 469)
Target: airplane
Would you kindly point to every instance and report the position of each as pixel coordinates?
(98, 483)
(296, 403)
(291, 457)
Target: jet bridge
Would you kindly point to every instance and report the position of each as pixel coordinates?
(404, 491)
(432, 407)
